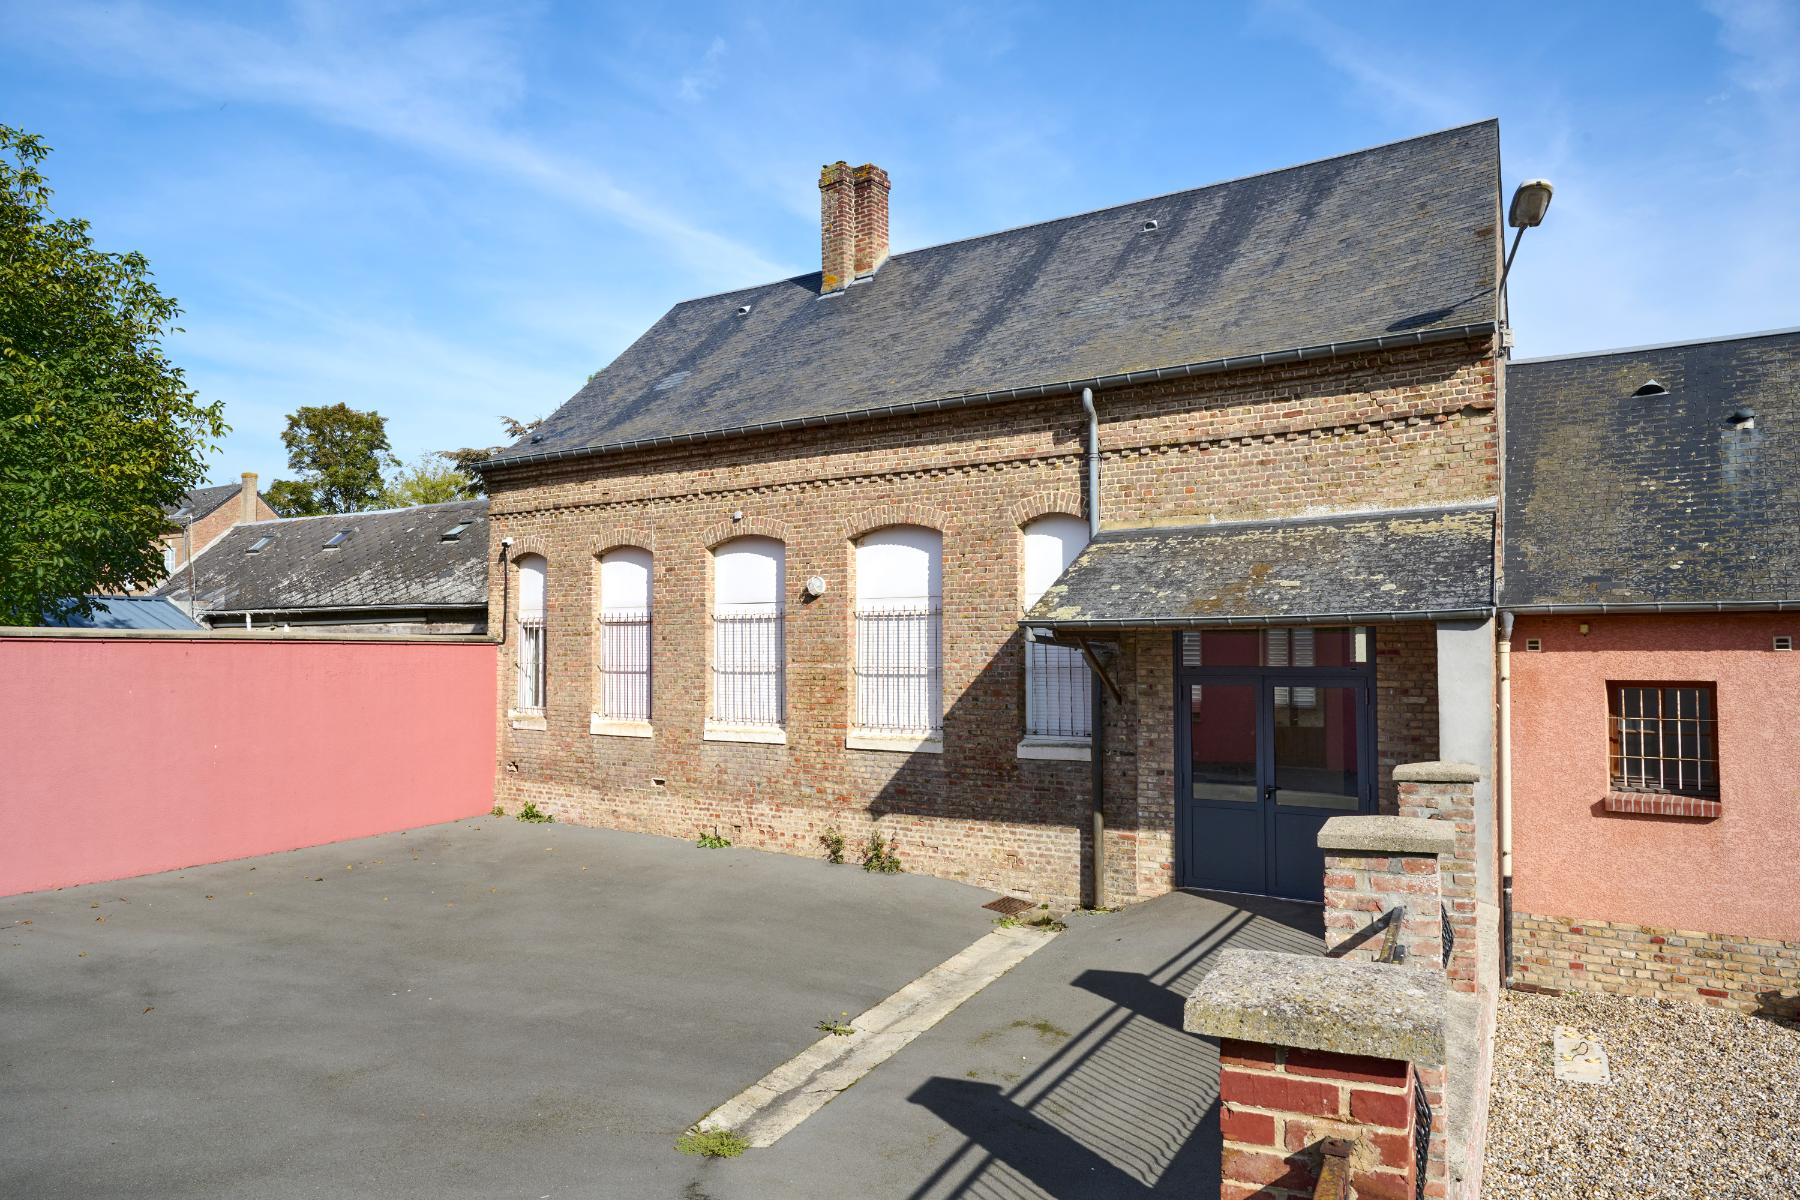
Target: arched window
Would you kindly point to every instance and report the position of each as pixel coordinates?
(899, 640)
(625, 634)
(748, 651)
(531, 633)
(1058, 684)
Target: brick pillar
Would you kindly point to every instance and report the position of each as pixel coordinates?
(1317, 1049)
(1440, 791)
(872, 188)
(1277, 1104)
(1373, 864)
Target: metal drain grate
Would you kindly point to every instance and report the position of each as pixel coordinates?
(1010, 906)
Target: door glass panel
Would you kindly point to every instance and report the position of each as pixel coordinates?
(1223, 741)
(1317, 747)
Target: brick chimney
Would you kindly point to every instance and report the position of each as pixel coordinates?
(247, 499)
(853, 223)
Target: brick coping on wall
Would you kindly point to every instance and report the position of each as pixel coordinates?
(1751, 974)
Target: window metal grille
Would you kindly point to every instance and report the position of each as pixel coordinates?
(531, 663)
(625, 664)
(749, 679)
(1058, 699)
(1664, 738)
(899, 670)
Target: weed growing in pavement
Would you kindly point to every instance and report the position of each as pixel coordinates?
(497, 811)
(1006, 921)
(713, 840)
(836, 1028)
(531, 813)
(833, 841)
(712, 1143)
(878, 855)
(1048, 923)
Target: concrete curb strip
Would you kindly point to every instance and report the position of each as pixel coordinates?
(792, 1092)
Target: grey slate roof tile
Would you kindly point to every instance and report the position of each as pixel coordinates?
(1398, 239)
(201, 501)
(1365, 565)
(1619, 499)
(394, 558)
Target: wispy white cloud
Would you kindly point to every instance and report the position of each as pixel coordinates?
(441, 86)
(706, 75)
(1376, 65)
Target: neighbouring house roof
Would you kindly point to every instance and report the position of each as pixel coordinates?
(128, 612)
(202, 501)
(392, 558)
(1395, 242)
(1688, 496)
(1354, 566)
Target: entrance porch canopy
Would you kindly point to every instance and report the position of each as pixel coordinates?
(1422, 564)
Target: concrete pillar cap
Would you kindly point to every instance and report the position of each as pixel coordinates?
(1388, 835)
(1328, 1004)
(1436, 772)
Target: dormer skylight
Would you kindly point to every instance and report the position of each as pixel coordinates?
(456, 531)
(1652, 388)
(337, 539)
(260, 544)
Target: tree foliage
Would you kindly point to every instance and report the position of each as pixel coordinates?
(468, 458)
(431, 478)
(99, 432)
(339, 454)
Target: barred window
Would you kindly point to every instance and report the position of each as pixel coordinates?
(1663, 737)
(531, 633)
(1058, 696)
(625, 634)
(749, 654)
(899, 632)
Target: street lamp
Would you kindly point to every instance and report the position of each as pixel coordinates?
(1529, 204)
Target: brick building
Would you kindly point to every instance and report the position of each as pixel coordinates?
(207, 515)
(1653, 581)
(770, 571)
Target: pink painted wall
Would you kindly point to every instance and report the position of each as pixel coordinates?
(1738, 873)
(122, 756)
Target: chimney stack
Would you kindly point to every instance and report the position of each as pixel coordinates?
(853, 223)
(247, 499)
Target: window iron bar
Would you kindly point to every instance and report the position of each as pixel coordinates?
(1058, 691)
(899, 670)
(531, 664)
(749, 667)
(625, 664)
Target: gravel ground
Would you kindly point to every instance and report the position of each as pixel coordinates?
(1703, 1102)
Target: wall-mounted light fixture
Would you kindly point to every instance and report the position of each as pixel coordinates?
(815, 586)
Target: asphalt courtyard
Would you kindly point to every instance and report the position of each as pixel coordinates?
(494, 1009)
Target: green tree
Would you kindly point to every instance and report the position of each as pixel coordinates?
(339, 454)
(99, 432)
(431, 478)
(468, 458)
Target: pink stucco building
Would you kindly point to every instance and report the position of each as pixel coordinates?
(1652, 571)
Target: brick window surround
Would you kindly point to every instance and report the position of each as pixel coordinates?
(1662, 749)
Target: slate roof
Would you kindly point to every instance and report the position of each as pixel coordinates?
(1398, 241)
(1621, 500)
(1355, 566)
(201, 501)
(394, 558)
(128, 612)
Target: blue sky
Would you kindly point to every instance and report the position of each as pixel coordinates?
(447, 212)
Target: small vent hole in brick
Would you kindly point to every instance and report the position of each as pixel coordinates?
(1010, 906)
(1533, 644)
(1784, 642)
(658, 781)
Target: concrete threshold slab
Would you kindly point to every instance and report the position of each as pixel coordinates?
(766, 1110)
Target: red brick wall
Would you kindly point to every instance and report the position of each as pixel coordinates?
(1413, 427)
(1276, 1104)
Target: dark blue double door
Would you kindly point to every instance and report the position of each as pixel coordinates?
(1263, 760)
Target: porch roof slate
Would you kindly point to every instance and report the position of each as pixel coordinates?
(1633, 501)
(1382, 565)
(1395, 241)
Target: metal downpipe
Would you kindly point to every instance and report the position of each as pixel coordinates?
(1503, 767)
(1097, 702)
